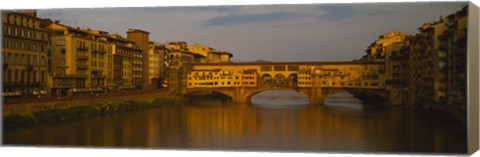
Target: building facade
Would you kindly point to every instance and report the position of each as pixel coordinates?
(455, 39)
(24, 50)
(127, 63)
(79, 61)
(156, 67)
(302, 75)
(141, 39)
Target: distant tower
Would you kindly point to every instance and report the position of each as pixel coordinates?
(141, 38)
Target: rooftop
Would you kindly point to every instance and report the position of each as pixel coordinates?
(130, 30)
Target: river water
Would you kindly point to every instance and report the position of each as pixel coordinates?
(274, 121)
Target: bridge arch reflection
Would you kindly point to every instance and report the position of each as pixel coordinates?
(279, 97)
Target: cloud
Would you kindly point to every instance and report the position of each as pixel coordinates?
(236, 19)
(323, 32)
(337, 12)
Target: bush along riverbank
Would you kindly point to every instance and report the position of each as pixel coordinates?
(101, 108)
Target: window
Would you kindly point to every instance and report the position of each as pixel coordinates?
(22, 60)
(34, 60)
(16, 78)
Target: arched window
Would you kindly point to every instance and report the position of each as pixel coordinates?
(28, 76)
(9, 75)
(22, 76)
(16, 79)
(34, 76)
(43, 76)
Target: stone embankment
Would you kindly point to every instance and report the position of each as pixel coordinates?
(30, 112)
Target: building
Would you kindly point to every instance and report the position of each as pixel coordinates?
(302, 75)
(378, 49)
(343, 75)
(427, 61)
(79, 60)
(127, 63)
(434, 65)
(455, 39)
(156, 66)
(387, 50)
(201, 50)
(24, 50)
(210, 55)
(219, 57)
(141, 38)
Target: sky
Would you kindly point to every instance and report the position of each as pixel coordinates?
(302, 32)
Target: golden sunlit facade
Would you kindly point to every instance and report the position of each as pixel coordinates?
(24, 51)
(342, 75)
(80, 60)
(156, 67)
(127, 66)
(140, 67)
(437, 64)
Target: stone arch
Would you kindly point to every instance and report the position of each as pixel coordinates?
(292, 79)
(326, 92)
(266, 79)
(280, 79)
(365, 95)
(252, 93)
(228, 93)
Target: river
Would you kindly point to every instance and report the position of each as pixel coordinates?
(274, 121)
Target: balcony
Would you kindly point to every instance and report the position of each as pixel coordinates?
(82, 67)
(394, 81)
(82, 49)
(62, 85)
(98, 76)
(81, 76)
(442, 37)
(442, 47)
(82, 57)
(63, 76)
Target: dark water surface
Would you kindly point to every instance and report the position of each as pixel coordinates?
(270, 123)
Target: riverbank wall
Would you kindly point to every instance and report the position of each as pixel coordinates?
(37, 105)
(31, 113)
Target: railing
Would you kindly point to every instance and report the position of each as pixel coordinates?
(21, 84)
(82, 57)
(62, 65)
(82, 49)
(64, 76)
(62, 85)
(82, 67)
(98, 76)
(81, 75)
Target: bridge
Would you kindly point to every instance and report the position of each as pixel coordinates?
(314, 80)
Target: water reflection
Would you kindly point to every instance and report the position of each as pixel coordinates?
(279, 98)
(215, 124)
(344, 100)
